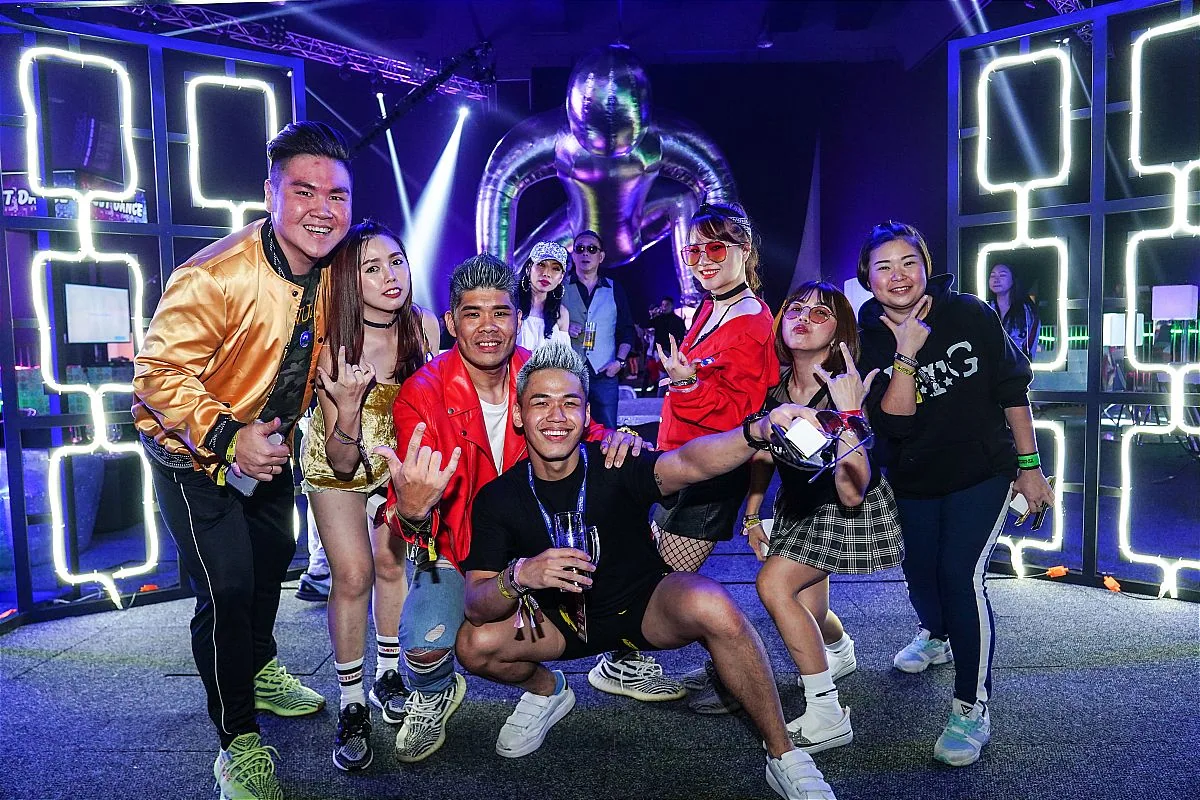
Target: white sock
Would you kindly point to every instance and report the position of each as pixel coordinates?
(841, 645)
(821, 695)
(387, 654)
(350, 682)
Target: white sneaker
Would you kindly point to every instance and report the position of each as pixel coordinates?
(921, 652)
(794, 776)
(813, 733)
(526, 728)
(964, 736)
(634, 675)
(840, 664)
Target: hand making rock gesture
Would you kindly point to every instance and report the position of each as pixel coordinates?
(676, 364)
(847, 390)
(419, 480)
(353, 383)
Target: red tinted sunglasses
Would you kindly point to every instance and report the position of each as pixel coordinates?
(834, 422)
(716, 252)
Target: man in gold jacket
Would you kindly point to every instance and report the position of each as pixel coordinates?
(225, 373)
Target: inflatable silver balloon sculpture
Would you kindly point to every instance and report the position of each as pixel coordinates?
(607, 150)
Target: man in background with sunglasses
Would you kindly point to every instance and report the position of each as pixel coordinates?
(601, 326)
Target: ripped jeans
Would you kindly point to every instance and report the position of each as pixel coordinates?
(433, 612)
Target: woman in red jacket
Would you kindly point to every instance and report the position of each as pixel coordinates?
(720, 374)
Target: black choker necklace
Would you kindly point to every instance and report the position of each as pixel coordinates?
(734, 292)
(381, 325)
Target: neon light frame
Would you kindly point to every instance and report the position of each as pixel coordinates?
(237, 208)
(1023, 189)
(1176, 373)
(87, 251)
(1017, 545)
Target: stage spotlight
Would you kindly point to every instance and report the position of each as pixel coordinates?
(402, 192)
(463, 111)
(425, 234)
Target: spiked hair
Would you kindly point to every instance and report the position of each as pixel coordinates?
(483, 271)
(553, 355)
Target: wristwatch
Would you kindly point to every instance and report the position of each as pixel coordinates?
(750, 440)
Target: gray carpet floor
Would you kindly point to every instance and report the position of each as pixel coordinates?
(1095, 695)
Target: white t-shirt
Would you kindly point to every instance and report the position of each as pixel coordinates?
(532, 334)
(495, 419)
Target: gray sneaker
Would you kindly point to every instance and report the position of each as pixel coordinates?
(388, 694)
(713, 697)
(921, 652)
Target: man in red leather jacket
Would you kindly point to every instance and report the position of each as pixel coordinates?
(457, 411)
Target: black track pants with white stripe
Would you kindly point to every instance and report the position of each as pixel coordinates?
(948, 542)
(236, 550)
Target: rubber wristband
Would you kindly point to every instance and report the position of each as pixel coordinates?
(229, 450)
(1029, 460)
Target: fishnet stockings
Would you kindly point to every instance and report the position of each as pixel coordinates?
(681, 553)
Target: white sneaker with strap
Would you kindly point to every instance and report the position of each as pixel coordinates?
(795, 776)
(527, 726)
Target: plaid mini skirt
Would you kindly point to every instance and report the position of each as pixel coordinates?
(841, 540)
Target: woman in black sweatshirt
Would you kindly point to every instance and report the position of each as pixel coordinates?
(952, 407)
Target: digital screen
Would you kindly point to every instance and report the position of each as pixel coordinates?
(97, 314)
(81, 121)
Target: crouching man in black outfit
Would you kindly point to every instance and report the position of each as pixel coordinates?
(522, 592)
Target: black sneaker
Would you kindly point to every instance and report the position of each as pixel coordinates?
(352, 744)
(314, 588)
(388, 695)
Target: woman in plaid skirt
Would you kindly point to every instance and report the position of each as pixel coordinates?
(842, 521)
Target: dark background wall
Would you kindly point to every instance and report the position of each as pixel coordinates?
(882, 155)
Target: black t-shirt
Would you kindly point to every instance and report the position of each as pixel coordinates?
(507, 524)
(797, 498)
(665, 326)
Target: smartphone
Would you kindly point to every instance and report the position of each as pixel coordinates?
(805, 436)
(244, 484)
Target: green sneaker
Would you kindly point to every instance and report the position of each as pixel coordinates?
(278, 692)
(246, 771)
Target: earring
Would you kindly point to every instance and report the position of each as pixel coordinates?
(558, 292)
(525, 285)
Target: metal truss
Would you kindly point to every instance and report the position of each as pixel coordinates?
(276, 37)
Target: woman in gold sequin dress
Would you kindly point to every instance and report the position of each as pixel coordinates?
(375, 342)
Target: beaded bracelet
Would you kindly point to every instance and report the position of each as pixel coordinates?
(1028, 460)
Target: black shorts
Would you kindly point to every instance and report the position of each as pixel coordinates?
(707, 510)
(609, 632)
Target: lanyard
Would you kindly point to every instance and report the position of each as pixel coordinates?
(580, 503)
